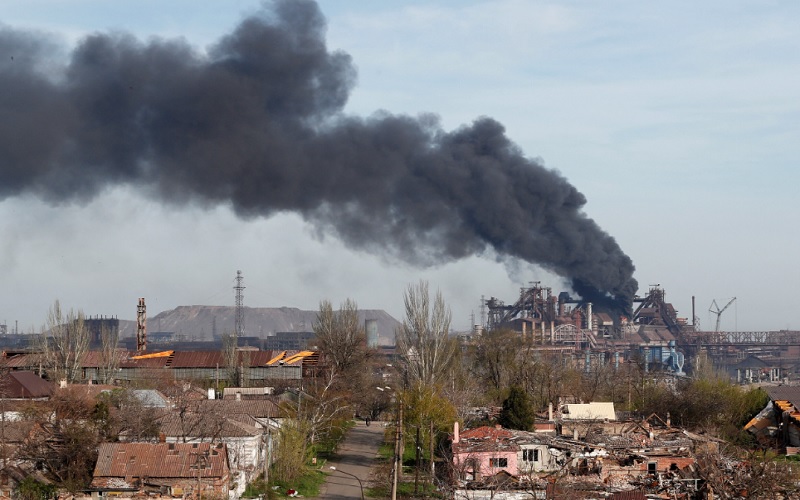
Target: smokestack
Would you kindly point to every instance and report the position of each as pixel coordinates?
(589, 316)
(141, 326)
(455, 433)
(257, 122)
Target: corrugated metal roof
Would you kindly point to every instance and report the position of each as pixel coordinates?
(200, 426)
(25, 384)
(161, 460)
(259, 408)
(789, 393)
(628, 495)
(177, 359)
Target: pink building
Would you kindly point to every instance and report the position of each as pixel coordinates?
(484, 451)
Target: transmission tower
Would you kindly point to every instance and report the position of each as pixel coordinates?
(239, 326)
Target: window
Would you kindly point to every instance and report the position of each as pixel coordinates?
(530, 455)
(498, 462)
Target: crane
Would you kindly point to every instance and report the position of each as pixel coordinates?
(716, 310)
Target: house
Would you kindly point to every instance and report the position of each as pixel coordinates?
(245, 442)
(619, 453)
(177, 470)
(243, 425)
(18, 389)
(483, 452)
(24, 385)
(780, 420)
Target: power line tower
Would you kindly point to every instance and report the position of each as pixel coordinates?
(239, 325)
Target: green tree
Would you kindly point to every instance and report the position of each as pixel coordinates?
(31, 489)
(517, 412)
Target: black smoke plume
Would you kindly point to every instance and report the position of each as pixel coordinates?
(256, 121)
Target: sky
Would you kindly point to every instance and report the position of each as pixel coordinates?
(677, 121)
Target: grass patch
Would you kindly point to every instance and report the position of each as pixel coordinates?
(404, 489)
(307, 485)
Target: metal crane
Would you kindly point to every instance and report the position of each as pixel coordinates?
(716, 310)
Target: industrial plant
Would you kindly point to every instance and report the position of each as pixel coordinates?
(652, 334)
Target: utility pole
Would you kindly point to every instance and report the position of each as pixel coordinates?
(398, 452)
(417, 465)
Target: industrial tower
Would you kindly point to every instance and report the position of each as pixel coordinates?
(239, 321)
(141, 326)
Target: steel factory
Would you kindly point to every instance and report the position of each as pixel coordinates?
(652, 335)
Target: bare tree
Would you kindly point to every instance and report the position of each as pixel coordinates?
(231, 354)
(111, 356)
(64, 344)
(423, 343)
(340, 335)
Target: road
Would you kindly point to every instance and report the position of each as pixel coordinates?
(356, 455)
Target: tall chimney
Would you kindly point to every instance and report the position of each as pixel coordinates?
(141, 326)
(455, 433)
(589, 316)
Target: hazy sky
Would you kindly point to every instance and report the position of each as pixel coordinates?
(678, 121)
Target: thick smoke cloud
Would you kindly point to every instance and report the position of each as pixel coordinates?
(257, 122)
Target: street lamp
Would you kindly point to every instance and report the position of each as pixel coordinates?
(351, 475)
(397, 461)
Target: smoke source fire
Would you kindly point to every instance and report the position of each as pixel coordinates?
(257, 121)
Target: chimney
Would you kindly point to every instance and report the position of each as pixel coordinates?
(238, 396)
(62, 383)
(550, 411)
(589, 316)
(455, 433)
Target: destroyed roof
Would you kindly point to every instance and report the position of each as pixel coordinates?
(628, 495)
(160, 460)
(790, 393)
(485, 438)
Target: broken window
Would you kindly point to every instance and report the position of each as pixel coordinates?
(530, 455)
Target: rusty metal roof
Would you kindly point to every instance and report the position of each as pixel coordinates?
(628, 495)
(161, 460)
(204, 425)
(24, 384)
(259, 408)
